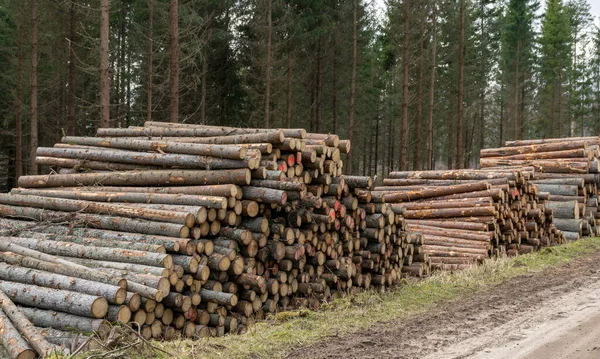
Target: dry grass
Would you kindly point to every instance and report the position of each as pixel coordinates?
(286, 331)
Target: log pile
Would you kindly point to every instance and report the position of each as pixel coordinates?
(466, 216)
(196, 230)
(566, 175)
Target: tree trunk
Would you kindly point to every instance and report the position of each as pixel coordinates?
(268, 66)
(461, 65)
(203, 87)
(353, 83)
(139, 178)
(71, 120)
(417, 158)
(405, 66)
(19, 108)
(55, 299)
(33, 141)
(174, 62)
(516, 96)
(104, 79)
(64, 321)
(149, 72)
(69, 205)
(20, 322)
(288, 112)
(111, 293)
(11, 340)
(334, 104)
(319, 89)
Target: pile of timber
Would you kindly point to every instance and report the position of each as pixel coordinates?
(194, 230)
(566, 175)
(467, 215)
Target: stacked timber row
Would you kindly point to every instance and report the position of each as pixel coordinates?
(204, 229)
(466, 216)
(566, 174)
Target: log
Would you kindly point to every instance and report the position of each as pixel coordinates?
(113, 294)
(456, 175)
(67, 205)
(565, 142)
(156, 198)
(434, 192)
(83, 164)
(450, 212)
(260, 136)
(219, 297)
(218, 190)
(550, 166)
(12, 341)
(139, 178)
(568, 209)
(98, 221)
(557, 189)
(219, 151)
(149, 159)
(65, 321)
(264, 195)
(99, 253)
(568, 225)
(55, 299)
(288, 132)
(450, 224)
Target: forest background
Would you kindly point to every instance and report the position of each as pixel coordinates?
(415, 84)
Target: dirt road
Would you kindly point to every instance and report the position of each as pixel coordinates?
(554, 314)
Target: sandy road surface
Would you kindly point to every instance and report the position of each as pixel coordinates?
(554, 314)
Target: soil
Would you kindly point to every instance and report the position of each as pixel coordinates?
(552, 314)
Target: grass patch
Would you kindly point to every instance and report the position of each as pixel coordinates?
(289, 330)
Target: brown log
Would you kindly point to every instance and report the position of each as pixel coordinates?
(55, 299)
(551, 166)
(98, 221)
(264, 195)
(434, 192)
(65, 321)
(98, 253)
(218, 190)
(84, 164)
(220, 151)
(113, 294)
(580, 141)
(288, 132)
(219, 297)
(456, 174)
(157, 198)
(139, 178)
(450, 224)
(11, 340)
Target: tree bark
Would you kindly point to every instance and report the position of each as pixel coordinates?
(149, 71)
(268, 66)
(111, 293)
(104, 74)
(405, 66)
(71, 120)
(417, 159)
(55, 299)
(139, 178)
(12, 341)
(288, 112)
(174, 61)
(19, 108)
(33, 134)
(461, 64)
(353, 83)
(122, 197)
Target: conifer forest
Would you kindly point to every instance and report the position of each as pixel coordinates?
(414, 84)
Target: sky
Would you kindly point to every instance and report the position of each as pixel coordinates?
(595, 7)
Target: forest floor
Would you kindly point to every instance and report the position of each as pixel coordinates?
(540, 305)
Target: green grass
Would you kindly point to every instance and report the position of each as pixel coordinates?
(286, 331)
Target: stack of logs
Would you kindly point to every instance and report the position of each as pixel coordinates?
(566, 174)
(192, 230)
(466, 216)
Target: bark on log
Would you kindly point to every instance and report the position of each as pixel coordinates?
(218, 190)
(569, 209)
(12, 341)
(84, 164)
(66, 321)
(98, 221)
(549, 166)
(264, 195)
(55, 299)
(219, 297)
(270, 136)
(149, 159)
(68, 205)
(288, 132)
(568, 225)
(434, 192)
(113, 294)
(456, 175)
(220, 151)
(139, 178)
(450, 212)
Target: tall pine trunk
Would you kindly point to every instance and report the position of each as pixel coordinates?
(461, 65)
(432, 91)
(19, 107)
(405, 65)
(174, 62)
(353, 83)
(104, 81)
(149, 59)
(417, 158)
(334, 104)
(33, 143)
(516, 96)
(268, 66)
(288, 105)
(71, 122)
